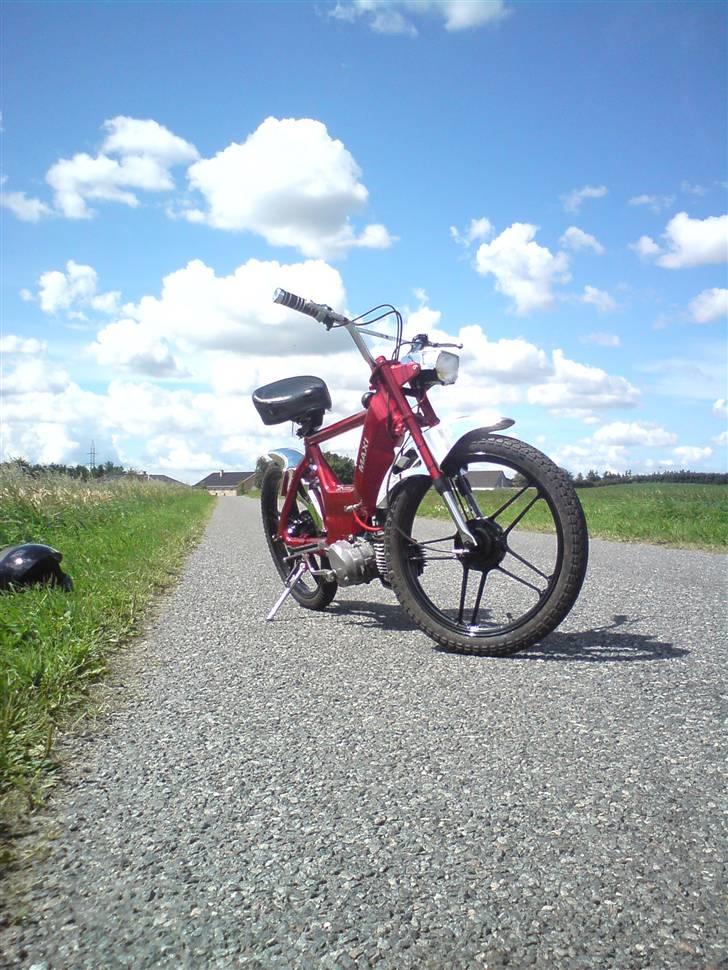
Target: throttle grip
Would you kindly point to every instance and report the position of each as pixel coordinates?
(319, 311)
(291, 300)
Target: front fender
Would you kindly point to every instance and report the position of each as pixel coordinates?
(452, 462)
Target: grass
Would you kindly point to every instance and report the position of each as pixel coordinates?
(665, 513)
(121, 542)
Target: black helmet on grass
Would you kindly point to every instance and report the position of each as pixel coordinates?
(31, 563)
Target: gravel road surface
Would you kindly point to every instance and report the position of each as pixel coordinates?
(330, 790)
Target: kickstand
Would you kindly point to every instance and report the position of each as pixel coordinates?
(296, 574)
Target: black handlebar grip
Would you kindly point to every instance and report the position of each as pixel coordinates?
(297, 303)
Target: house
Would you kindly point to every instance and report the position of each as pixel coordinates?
(165, 479)
(487, 480)
(226, 483)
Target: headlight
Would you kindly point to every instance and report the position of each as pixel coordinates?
(446, 367)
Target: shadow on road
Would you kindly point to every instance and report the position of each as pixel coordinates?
(611, 643)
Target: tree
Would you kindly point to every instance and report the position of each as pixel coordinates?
(341, 466)
(260, 467)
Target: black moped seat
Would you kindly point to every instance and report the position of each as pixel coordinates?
(300, 399)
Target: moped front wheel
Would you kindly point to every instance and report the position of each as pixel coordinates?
(314, 592)
(522, 577)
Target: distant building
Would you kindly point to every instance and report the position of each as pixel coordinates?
(226, 483)
(488, 480)
(166, 479)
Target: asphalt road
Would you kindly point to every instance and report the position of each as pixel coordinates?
(331, 790)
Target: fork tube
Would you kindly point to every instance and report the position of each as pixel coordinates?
(361, 346)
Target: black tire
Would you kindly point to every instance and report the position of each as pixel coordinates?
(431, 576)
(312, 592)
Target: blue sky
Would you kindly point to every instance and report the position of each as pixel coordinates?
(545, 181)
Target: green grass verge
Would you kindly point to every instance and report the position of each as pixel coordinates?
(122, 542)
(671, 514)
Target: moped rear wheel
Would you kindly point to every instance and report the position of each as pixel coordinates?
(527, 568)
(311, 591)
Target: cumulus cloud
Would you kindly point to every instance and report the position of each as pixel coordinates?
(602, 339)
(688, 454)
(127, 345)
(22, 207)
(523, 270)
(478, 229)
(634, 433)
(598, 298)
(654, 202)
(572, 200)
(146, 151)
(291, 183)
(394, 16)
(720, 407)
(645, 247)
(574, 385)
(11, 344)
(710, 305)
(74, 290)
(576, 239)
(688, 242)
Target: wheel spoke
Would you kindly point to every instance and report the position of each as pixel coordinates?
(520, 579)
(511, 500)
(523, 512)
(529, 564)
(478, 597)
(463, 591)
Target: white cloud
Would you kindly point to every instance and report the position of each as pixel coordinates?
(691, 189)
(74, 289)
(197, 309)
(290, 183)
(134, 137)
(709, 305)
(127, 345)
(574, 385)
(23, 208)
(146, 151)
(688, 242)
(645, 247)
(507, 360)
(573, 200)
(598, 298)
(654, 202)
(602, 339)
(634, 433)
(523, 270)
(720, 407)
(691, 454)
(576, 239)
(721, 439)
(11, 344)
(695, 242)
(478, 229)
(393, 16)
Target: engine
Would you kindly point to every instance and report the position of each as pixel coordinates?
(353, 562)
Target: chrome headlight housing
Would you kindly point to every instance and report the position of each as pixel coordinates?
(436, 367)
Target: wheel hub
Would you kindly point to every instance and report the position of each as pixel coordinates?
(491, 548)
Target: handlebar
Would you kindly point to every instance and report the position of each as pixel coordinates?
(319, 311)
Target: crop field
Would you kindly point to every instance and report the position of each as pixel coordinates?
(666, 513)
(122, 541)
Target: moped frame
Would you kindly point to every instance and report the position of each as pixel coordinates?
(348, 510)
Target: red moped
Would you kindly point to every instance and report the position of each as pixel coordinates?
(483, 541)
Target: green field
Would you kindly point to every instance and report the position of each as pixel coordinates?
(122, 541)
(666, 513)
